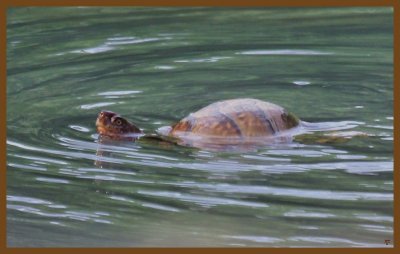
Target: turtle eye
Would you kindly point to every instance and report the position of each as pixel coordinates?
(118, 122)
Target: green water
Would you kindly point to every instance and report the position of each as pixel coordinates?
(155, 66)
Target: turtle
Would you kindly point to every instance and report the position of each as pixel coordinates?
(222, 124)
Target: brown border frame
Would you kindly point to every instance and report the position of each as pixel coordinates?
(4, 4)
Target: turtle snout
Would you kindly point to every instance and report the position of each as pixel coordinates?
(104, 118)
(106, 114)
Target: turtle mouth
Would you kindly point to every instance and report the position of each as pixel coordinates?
(101, 129)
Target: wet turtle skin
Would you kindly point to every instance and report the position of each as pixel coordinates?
(223, 122)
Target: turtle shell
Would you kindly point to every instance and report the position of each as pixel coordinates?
(237, 118)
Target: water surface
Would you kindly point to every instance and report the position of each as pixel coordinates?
(155, 66)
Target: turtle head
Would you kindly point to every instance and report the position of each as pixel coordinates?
(114, 126)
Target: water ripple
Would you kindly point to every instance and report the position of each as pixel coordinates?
(112, 43)
(203, 60)
(52, 180)
(325, 240)
(27, 200)
(284, 52)
(31, 167)
(136, 157)
(202, 200)
(79, 128)
(308, 214)
(97, 105)
(257, 239)
(118, 93)
(145, 204)
(73, 215)
(292, 192)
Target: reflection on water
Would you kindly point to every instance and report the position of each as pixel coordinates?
(331, 66)
(284, 52)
